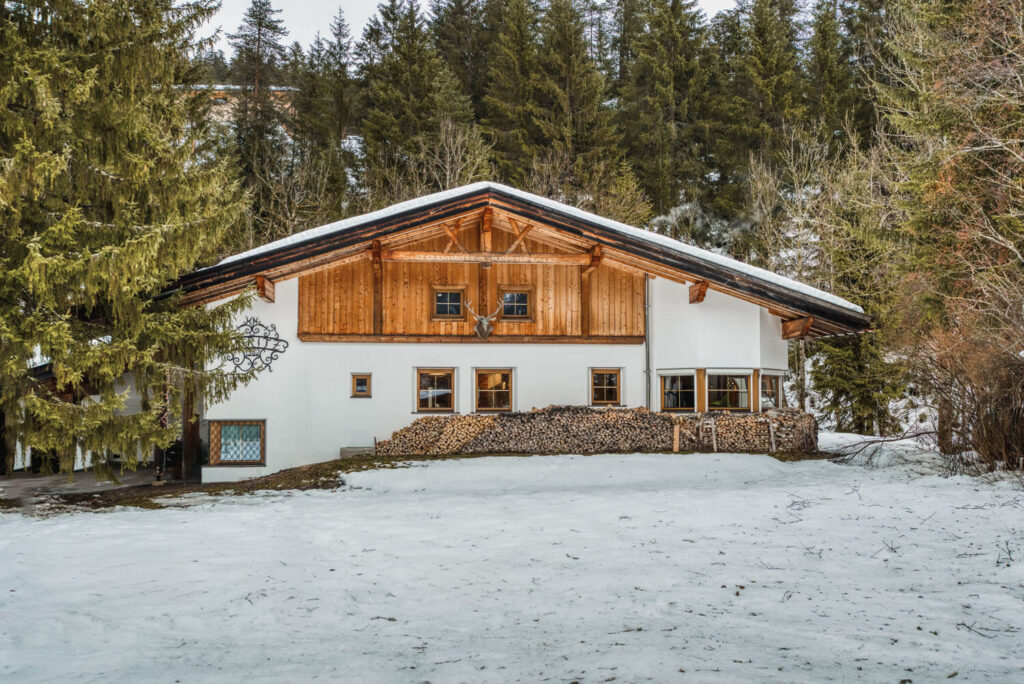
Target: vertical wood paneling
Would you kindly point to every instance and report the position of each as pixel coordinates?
(340, 300)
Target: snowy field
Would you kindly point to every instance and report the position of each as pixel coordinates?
(593, 569)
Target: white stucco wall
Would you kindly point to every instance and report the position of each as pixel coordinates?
(305, 396)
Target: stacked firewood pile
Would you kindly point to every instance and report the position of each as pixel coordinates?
(583, 430)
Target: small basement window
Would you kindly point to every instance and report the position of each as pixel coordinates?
(771, 391)
(605, 386)
(494, 390)
(361, 385)
(728, 392)
(238, 442)
(678, 393)
(447, 303)
(435, 390)
(515, 303)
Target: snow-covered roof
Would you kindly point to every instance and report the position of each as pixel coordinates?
(632, 231)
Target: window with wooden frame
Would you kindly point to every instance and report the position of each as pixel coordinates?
(605, 386)
(728, 392)
(516, 302)
(493, 389)
(447, 303)
(435, 390)
(679, 392)
(771, 391)
(362, 385)
(238, 442)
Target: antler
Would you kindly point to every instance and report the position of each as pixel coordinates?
(469, 305)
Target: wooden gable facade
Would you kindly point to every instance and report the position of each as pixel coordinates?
(388, 294)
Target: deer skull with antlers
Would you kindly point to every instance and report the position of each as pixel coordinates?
(484, 324)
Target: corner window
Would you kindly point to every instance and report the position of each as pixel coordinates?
(362, 385)
(728, 392)
(605, 386)
(515, 303)
(771, 391)
(238, 442)
(447, 303)
(494, 390)
(435, 390)
(678, 393)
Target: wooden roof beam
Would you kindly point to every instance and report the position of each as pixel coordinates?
(797, 328)
(485, 257)
(698, 291)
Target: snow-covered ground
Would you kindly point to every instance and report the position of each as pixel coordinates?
(603, 568)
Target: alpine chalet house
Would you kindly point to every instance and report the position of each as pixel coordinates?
(486, 298)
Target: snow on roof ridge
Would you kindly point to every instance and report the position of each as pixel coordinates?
(639, 233)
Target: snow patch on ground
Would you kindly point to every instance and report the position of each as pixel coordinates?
(727, 567)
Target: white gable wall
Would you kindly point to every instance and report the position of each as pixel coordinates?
(306, 400)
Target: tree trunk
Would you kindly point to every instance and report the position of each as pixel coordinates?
(945, 426)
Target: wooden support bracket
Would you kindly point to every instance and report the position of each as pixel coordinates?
(520, 234)
(596, 254)
(453, 236)
(797, 328)
(698, 291)
(265, 289)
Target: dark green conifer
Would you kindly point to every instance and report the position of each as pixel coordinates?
(510, 99)
(109, 191)
(664, 104)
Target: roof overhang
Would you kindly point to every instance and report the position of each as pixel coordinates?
(813, 312)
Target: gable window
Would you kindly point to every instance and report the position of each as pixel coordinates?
(447, 303)
(605, 386)
(515, 303)
(435, 390)
(678, 393)
(728, 392)
(771, 391)
(362, 385)
(494, 390)
(238, 442)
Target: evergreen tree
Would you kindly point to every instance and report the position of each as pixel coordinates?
(771, 70)
(628, 22)
(510, 99)
(108, 193)
(571, 112)
(865, 24)
(664, 104)
(402, 72)
(257, 118)
(458, 30)
(830, 72)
